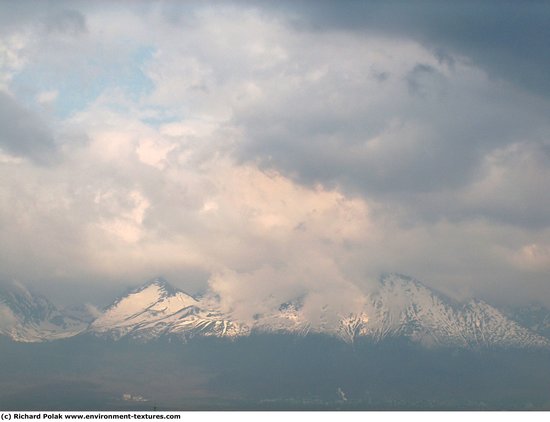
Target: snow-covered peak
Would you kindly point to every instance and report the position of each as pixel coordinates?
(161, 283)
(152, 302)
(403, 306)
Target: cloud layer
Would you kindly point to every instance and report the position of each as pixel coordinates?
(271, 152)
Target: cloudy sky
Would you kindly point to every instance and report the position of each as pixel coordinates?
(273, 149)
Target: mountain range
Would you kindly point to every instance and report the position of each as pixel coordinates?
(401, 307)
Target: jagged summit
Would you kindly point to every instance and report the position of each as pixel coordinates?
(161, 283)
(149, 305)
(158, 282)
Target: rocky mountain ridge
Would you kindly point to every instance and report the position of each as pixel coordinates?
(401, 307)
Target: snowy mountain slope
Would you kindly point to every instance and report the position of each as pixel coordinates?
(157, 308)
(404, 307)
(27, 317)
(288, 318)
(534, 316)
(401, 307)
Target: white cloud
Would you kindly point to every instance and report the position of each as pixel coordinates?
(47, 97)
(7, 318)
(11, 58)
(534, 257)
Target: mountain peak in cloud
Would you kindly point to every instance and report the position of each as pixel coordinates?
(401, 308)
(161, 283)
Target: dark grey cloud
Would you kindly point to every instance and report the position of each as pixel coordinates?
(436, 135)
(431, 142)
(15, 14)
(23, 133)
(70, 22)
(416, 77)
(507, 38)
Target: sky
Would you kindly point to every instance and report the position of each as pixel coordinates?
(270, 150)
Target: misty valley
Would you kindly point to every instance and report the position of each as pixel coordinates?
(267, 372)
(156, 347)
